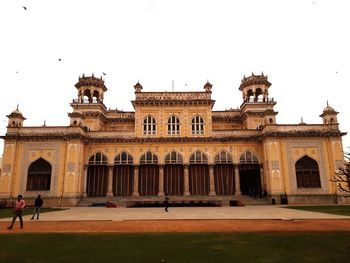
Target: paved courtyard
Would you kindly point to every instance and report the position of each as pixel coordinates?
(181, 213)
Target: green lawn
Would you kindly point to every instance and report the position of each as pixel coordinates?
(176, 247)
(330, 209)
(7, 212)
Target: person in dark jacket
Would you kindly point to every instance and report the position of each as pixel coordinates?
(166, 202)
(38, 204)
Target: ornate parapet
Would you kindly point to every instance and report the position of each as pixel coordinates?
(172, 96)
(230, 115)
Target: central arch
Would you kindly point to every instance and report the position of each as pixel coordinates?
(224, 174)
(97, 176)
(123, 179)
(249, 174)
(199, 174)
(39, 175)
(148, 175)
(173, 174)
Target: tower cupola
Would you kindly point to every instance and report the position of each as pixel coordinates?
(255, 88)
(90, 89)
(15, 118)
(329, 115)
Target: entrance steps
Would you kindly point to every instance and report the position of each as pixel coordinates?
(199, 200)
(247, 200)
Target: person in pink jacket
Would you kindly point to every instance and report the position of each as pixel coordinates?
(17, 211)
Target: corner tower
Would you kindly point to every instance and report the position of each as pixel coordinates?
(257, 109)
(15, 118)
(329, 116)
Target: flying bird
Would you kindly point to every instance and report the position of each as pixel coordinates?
(59, 59)
(25, 8)
(104, 73)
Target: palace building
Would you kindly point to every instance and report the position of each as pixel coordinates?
(172, 143)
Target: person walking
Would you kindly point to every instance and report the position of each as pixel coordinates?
(37, 205)
(166, 202)
(17, 212)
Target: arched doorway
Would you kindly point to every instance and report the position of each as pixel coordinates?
(97, 176)
(199, 174)
(249, 174)
(123, 175)
(149, 175)
(39, 176)
(224, 174)
(307, 173)
(173, 174)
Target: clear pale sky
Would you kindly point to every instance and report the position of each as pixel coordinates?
(303, 46)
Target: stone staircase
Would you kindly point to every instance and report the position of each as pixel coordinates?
(122, 202)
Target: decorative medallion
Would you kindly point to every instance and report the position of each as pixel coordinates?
(7, 168)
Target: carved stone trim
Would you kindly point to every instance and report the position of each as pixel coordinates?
(55, 167)
(275, 165)
(321, 165)
(7, 168)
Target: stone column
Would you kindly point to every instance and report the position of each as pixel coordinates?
(161, 180)
(237, 182)
(85, 179)
(110, 181)
(135, 193)
(211, 180)
(262, 178)
(186, 181)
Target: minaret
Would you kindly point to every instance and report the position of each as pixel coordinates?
(15, 118)
(329, 115)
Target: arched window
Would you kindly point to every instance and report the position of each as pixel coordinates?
(39, 176)
(248, 157)
(98, 159)
(149, 158)
(198, 157)
(223, 157)
(149, 126)
(197, 125)
(173, 158)
(173, 125)
(307, 172)
(123, 158)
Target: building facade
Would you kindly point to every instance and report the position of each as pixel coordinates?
(172, 143)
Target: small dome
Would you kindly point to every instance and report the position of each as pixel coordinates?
(329, 109)
(16, 112)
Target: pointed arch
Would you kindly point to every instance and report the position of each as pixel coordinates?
(149, 158)
(97, 175)
(98, 159)
(123, 158)
(197, 125)
(149, 125)
(39, 175)
(199, 157)
(307, 172)
(173, 125)
(123, 179)
(173, 158)
(223, 157)
(248, 157)
(224, 174)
